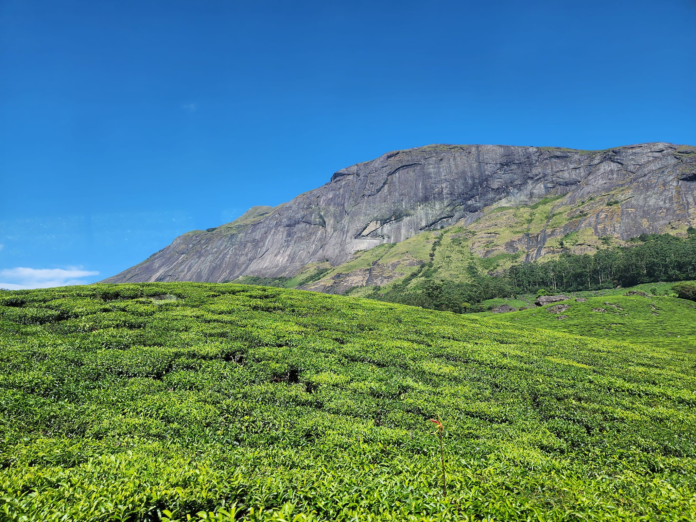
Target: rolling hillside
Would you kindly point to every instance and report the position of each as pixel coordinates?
(646, 320)
(158, 401)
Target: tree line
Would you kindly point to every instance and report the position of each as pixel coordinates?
(648, 258)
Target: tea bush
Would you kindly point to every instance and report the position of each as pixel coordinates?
(224, 401)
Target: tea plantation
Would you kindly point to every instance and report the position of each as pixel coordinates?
(169, 401)
(647, 320)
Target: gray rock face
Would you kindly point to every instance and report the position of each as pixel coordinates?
(503, 309)
(548, 299)
(403, 193)
(557, 309)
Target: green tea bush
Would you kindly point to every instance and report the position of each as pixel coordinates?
(233, 402)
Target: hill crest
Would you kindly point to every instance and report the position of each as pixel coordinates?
(402, 194)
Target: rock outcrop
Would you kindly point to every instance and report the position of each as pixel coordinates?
(557, 309)
(504, 309)
(404, 193)
(548, 299)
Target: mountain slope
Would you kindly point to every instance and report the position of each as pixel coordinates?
(650, 188)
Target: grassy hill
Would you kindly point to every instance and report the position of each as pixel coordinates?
(158, 401)
(527, 300)
(655, 320)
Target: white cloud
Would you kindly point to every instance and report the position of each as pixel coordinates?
(22, 278)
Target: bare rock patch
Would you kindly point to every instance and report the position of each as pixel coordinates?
(502, 309)
(548, 299)
(617, 307)
(635, 292)
(558, 308)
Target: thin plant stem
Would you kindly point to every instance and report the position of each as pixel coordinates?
(440, 430)
(442, 458)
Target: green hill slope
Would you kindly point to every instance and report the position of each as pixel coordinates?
(130, 402)
(656, 321)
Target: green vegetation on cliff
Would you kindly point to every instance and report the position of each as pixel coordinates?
(650, 258)
(159, 401)
(647, 259)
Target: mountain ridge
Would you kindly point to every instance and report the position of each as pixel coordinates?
(402, 194)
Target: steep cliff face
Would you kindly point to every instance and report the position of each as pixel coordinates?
(404, 193)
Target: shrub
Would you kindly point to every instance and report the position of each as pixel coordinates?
(685, 291)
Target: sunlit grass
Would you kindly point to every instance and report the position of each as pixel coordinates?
(654, 320)
(123, 403)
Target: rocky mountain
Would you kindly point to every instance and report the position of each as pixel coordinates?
(519, 202)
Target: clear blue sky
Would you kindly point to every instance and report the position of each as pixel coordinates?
(126, 123)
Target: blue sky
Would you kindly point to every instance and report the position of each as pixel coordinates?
(126, 123)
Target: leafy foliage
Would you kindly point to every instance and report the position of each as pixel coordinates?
(446, 295)
(158, 401)
(686, 290)
(651, 258)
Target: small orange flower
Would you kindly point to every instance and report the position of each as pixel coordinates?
(439, 424)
